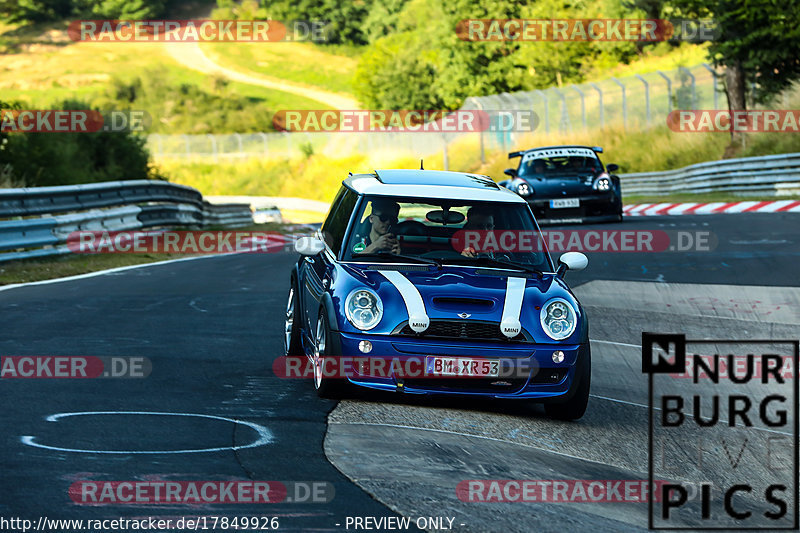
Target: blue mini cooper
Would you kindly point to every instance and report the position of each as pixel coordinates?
(431, 282)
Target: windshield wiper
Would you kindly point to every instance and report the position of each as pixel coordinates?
(396, 257)
(491, 262)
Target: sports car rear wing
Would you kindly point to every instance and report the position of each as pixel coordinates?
(512, 155)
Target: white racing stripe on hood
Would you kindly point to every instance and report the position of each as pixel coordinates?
(510, 324)
(417, 317)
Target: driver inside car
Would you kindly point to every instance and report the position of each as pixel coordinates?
(478, 219)
(383, 216)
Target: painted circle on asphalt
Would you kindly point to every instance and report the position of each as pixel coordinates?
(264, 435)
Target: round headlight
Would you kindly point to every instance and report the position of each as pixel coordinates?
(523, 189)
(558, 319)
(363, 309)
(602, 184)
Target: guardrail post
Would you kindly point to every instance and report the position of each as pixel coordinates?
(599, 102)
(646, 96)
(713, 83)
(669, 90)
(694, 93)
(624, 103)
(583, 104)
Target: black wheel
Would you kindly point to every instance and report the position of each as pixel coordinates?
(575, 407)
(327, 387)
(291, 339)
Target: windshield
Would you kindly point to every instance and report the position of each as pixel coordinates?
(546, 167)
(388, 229)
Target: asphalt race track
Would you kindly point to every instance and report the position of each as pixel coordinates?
(211, 328)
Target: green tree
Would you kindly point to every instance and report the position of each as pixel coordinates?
(757, 45)
(41, 159)
(344, 19)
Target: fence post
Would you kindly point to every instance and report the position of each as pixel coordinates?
(563, 123)
(646, 96)
(694, 94)
(186, 143)
(266, 147)
(583, 104)
(546, 111)
(444, 149)
(669, 90)
(509, 134)
(238, 138)
(288, 137)
(213, 146)
(713, 82)
(479, 105)
(624, 104)
(600, 102)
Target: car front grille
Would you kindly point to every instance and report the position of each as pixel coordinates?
(464, 329)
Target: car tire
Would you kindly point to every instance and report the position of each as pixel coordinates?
(575, 406)
(291, 340)
(332, 388)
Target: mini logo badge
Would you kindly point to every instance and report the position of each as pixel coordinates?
(464, 315)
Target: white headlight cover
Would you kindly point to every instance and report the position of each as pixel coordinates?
(558, 319)
(363, 308)
(602, 184)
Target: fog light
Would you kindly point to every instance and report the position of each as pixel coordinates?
(366, 347)
(558, 356)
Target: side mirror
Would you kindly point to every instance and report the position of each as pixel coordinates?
(510, 172)
(612, 167)
(571, 261)
(309, 245)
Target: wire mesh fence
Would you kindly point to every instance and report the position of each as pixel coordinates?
(635, 103)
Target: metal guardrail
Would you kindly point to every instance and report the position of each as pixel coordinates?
(43, 236)
(69, 198)
(771, 175)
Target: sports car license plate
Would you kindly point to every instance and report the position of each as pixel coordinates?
(461, 366)
(564, 202)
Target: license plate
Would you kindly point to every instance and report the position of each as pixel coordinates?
(564, 202)
(461, 366)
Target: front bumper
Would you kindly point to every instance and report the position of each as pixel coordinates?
(598, 207)
(398, 364)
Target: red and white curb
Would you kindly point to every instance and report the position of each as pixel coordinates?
(711, 208)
